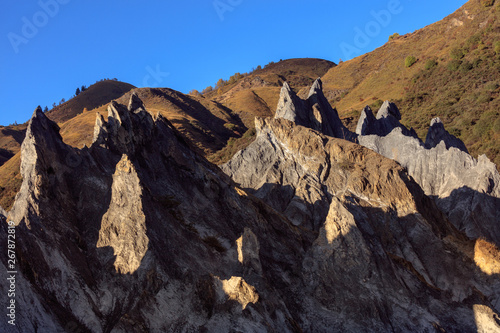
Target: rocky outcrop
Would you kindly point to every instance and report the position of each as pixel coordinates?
(139, 233)
(465, 189)
(388, 117)
(126, 236)
(437, 133)
(367, 215)
(315, 112)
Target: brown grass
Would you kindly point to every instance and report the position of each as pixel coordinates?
(487, 256)
(468, 109)
(10, 181)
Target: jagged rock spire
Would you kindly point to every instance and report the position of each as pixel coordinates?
(437, 133)
(135, 104)
(365, 119)
(100, 130)
(387, 119)
(290, 106)
(315, 112)
(388, 109)
(126, 126)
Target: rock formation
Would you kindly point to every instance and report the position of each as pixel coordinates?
(465, 189)
(315, 112)
(139, 233)
(438, 134)
(387, 119)
(368, 215)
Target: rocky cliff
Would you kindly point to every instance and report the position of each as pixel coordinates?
(139, 233)
(465, 189)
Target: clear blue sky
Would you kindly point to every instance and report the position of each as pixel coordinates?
(189, 44)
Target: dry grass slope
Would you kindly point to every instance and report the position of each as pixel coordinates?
(455, 78)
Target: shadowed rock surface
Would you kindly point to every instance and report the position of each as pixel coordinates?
(388, 117)
(466, 190)
(372, 222)
(139, 233)
(437, 133)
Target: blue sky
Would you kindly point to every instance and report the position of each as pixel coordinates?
(48, 48)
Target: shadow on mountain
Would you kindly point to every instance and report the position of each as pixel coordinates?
(17, 135)
(5, 155)
(474, 213)
(368, 268)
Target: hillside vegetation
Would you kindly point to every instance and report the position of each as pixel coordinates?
(96, 95)
(455, 77)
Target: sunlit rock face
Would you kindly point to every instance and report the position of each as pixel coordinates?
(138, 233)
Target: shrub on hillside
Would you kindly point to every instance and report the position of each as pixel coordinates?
(473, 42)
(410, 60)
(477, 62)
(487, 3)
(491, 86)
(454, 65)
(429, 64)
(207, 90)
(497, 47)
(230, 126)
(465, 66)
(394, 35)
(457, 53)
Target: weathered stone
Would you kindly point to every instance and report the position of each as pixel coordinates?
(365, 120)
(437, 133)
(139, 233)
(367, 215)
(135, 104)
(466, 190)
(315, 112)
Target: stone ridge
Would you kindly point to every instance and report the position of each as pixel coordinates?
(146, 235)
(364, 208)
(465, 189)
(388, 117)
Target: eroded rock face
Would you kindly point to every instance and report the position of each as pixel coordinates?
(438, 134)
(139, 233)
(371, 222)
(131, 233)
(465, 189)
(388, 117)
(375, 228)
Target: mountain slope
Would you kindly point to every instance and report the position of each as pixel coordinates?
(462, 92)
(257, 93)
(146, 235)
(96, 95)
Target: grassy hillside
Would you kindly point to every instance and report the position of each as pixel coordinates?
(257, 93)
(96, 95)
(207, 124)
(456, 77)
(11, 138)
